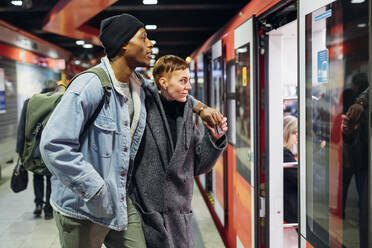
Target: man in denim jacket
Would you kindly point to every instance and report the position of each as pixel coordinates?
(90, 173)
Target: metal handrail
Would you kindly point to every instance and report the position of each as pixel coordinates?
(290, 165)
(290, 225)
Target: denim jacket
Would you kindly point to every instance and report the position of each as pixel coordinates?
(90, 172)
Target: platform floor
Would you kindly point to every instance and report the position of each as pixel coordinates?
(19, 228)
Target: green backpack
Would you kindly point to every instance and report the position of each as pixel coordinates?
(39, 109)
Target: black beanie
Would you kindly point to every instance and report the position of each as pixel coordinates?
(118, 30)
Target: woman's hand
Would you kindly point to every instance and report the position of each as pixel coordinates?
(219, 130)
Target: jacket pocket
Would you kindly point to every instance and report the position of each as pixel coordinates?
(188, 224)
(102, 137)
(100, 205)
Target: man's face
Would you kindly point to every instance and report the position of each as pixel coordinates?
(138, 50)
(177, 86)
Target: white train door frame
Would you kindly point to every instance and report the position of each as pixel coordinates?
(245, 45)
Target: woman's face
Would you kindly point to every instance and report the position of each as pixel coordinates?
(293, 137)
(177, 87)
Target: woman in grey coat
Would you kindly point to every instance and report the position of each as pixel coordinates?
(171, 153)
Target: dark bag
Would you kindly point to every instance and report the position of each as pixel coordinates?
(19, 179)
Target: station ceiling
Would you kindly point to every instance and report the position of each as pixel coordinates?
(182, 25)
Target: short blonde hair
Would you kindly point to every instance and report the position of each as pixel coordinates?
(289, 127)
(167, 64)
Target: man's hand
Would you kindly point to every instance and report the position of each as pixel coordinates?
(211, 117)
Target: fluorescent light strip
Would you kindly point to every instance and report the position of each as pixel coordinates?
(80, 42)
(146, 2)
(17, 3)
(88, 46)
(151, 27)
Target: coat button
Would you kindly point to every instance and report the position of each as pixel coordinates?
(83, 194)
(123, 198)
(123, 174)
(125, 149)
(126, 123)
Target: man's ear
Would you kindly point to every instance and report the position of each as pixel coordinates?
(124, 47)
(163, 82)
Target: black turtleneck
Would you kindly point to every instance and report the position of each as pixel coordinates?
(173, 110)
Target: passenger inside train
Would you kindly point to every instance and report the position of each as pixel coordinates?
(290, 138)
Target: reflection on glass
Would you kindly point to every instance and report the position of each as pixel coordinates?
(200, 80)
(192, 78)
(336, 125)
(217, 86)
(243, 113)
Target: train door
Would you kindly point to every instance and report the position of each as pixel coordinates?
(217, 98)
(334, 78)
(281, 176)
(245, 135)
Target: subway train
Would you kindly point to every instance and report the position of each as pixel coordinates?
(314, 58)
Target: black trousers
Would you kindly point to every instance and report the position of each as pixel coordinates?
(39, 192)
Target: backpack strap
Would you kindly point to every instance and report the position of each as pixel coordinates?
(106, 86)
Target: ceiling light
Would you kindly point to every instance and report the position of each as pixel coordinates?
(80, 42)
(153, 42)
(152, 62)
(77, 62)
(150, 1)
(155, 50)
(358, 1)
(188, 60)
(362, 25)
(153, 56)
(17, 3)
(88, 46)
(151, 27)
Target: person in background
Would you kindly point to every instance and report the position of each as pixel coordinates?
(38, 180)
(290, 138)
(171, 153)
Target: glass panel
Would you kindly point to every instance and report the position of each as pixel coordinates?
(200, 80)
(192, 77)
(243, 112)
(336, 125)
(217, 87)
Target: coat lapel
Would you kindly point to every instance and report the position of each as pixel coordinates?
(158, 126)
(184, 133)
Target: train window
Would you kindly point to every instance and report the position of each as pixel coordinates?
(337, 133)
(244, 136)
(200, 79)
(217, 86)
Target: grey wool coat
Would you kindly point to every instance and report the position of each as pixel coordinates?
(163, 177)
